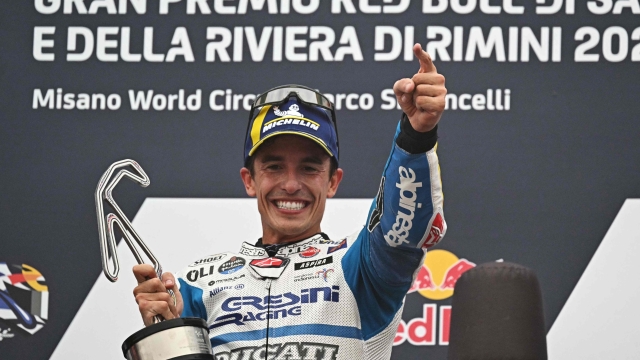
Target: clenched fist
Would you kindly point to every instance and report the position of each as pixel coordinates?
(422, 97)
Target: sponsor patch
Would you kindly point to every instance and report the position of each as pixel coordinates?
(207, 260)
(218, 290)
(324, 274)
(290, 350)
(298, 248)
(310, 252)
(293, 111)
(304, 277)
(221, 281)
(271, 267)
(313, 263)
(232, 265)
(249, 250)
(272, 262)
(341, 245)
(204, 271)
(244, 309)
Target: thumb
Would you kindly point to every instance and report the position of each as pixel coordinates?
(169, 281)
(426, 64)
(403, 90)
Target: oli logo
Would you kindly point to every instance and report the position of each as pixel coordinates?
(435, 281)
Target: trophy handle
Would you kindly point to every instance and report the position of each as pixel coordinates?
(107, 224)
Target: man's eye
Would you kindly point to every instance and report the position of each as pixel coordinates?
(273, 167)
(310, 169)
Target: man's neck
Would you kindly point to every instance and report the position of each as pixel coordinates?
(273, 238)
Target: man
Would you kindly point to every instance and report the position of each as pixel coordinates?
(296, 294)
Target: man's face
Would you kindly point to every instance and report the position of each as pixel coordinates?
(291, 183)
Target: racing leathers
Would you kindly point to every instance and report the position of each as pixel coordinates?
(320, 299)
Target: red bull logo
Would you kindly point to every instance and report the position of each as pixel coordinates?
(439, 273)
(435, 281)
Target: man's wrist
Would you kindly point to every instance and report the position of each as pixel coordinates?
(413, 141)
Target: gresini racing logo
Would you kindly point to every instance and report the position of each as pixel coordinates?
(244, 309)
(399, 231)
(290, 350)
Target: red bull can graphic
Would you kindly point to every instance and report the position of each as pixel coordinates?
(434, 281)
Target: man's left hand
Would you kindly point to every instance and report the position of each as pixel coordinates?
(422, 97)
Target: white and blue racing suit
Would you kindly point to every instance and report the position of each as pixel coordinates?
(319, 299)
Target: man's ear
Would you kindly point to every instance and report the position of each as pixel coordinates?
(247, 180)
(334, 182)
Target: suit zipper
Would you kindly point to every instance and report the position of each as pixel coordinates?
(266, 351)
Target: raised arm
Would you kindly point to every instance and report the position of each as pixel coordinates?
(406, 216)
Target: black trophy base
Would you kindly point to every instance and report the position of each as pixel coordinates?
(175, 339)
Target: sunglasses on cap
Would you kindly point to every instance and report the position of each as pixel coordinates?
(281, 94)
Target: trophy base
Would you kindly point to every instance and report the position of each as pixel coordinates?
(175, 339)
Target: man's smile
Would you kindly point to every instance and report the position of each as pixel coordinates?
(290, 205)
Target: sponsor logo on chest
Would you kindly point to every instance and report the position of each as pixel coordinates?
(245, 309)
(207, 260)
(289, 350)
(234, 264)
(313, 263)
(204, 271)
(310, 252)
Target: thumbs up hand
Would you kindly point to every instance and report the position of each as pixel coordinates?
(422, 97)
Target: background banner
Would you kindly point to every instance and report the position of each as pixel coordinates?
(539, 145)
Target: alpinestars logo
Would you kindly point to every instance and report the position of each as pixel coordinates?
(290, 350)
(399, 231)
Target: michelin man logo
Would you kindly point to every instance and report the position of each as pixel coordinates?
(293, 111)
(24, 298)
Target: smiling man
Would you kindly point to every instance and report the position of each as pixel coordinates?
(297, 293)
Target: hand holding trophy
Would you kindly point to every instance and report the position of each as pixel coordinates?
(175, 339)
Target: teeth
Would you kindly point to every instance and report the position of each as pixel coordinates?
(290, 205)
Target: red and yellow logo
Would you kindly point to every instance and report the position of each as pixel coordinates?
(435, 281)
(439, 273)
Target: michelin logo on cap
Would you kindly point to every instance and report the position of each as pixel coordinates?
(293, 111)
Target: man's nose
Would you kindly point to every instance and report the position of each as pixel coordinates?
(292, 182)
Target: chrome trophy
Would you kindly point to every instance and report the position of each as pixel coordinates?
(176, 339)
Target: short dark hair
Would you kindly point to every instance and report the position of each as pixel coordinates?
(249, 164)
